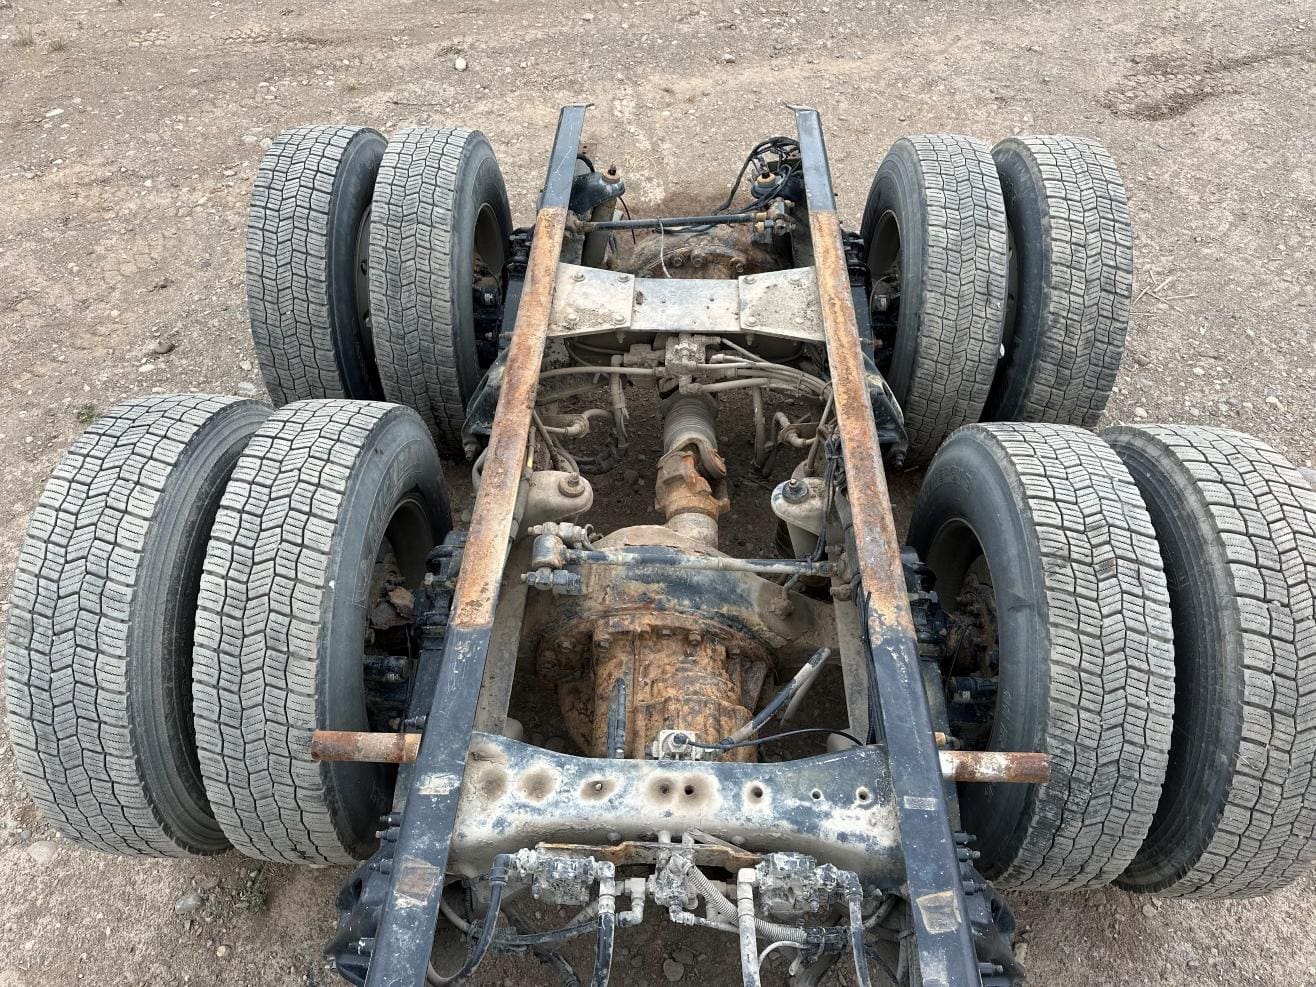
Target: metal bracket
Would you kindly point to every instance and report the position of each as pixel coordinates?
(781, 304)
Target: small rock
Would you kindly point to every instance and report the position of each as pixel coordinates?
(208, 883)
(162, 346)
(42, 851)
(1275, 402)
(673, 971)
(53, 113)
(222, 951)
(1021, 951)
(587, 16)
(729, 58)
(1139, 412)
(244, 365)
(459, 64)
(247, 389)
(1149, 910)
(1198, 371)
(189, 903)
(683, 956)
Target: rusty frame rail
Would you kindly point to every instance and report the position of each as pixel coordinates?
(942, 931)
(401, 952)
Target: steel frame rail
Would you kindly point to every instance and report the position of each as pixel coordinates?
(401, 952)
(942, 933)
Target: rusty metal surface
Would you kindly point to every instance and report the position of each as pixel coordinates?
(721, 252)
(517, 795)
(1012, 766)
(681, 487)
(679, 674)
(504, 461)
(790, 626)
(352, 745)
(632, 852)
(878, 546)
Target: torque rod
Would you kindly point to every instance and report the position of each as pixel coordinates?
(945, 944)
(401, 950)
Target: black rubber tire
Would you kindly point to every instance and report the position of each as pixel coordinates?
(1237, 527)
(440, 204)
(99, 646)
(942, 193)
(1073, 262)
(310, 209)
(281, 624)
(1083, 629)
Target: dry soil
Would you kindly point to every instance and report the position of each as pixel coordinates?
(129, 133)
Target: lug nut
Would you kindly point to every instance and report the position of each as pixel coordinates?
(795, 491)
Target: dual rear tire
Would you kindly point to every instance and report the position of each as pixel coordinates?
(376, 270)
(1001, 281)
(190, 605)
(1150, 624)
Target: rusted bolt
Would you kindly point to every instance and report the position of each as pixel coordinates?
(603, 642)
(697, 260)
(695, 639)
(563, 644)
(571, 485)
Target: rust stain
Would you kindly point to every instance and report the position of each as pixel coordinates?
(598, 789)
(538, 784)
(491, 785)
(416, 879)
(491, 517)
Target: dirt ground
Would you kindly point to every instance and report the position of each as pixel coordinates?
(129, 133)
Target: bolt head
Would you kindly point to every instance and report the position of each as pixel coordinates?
(578, 276)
